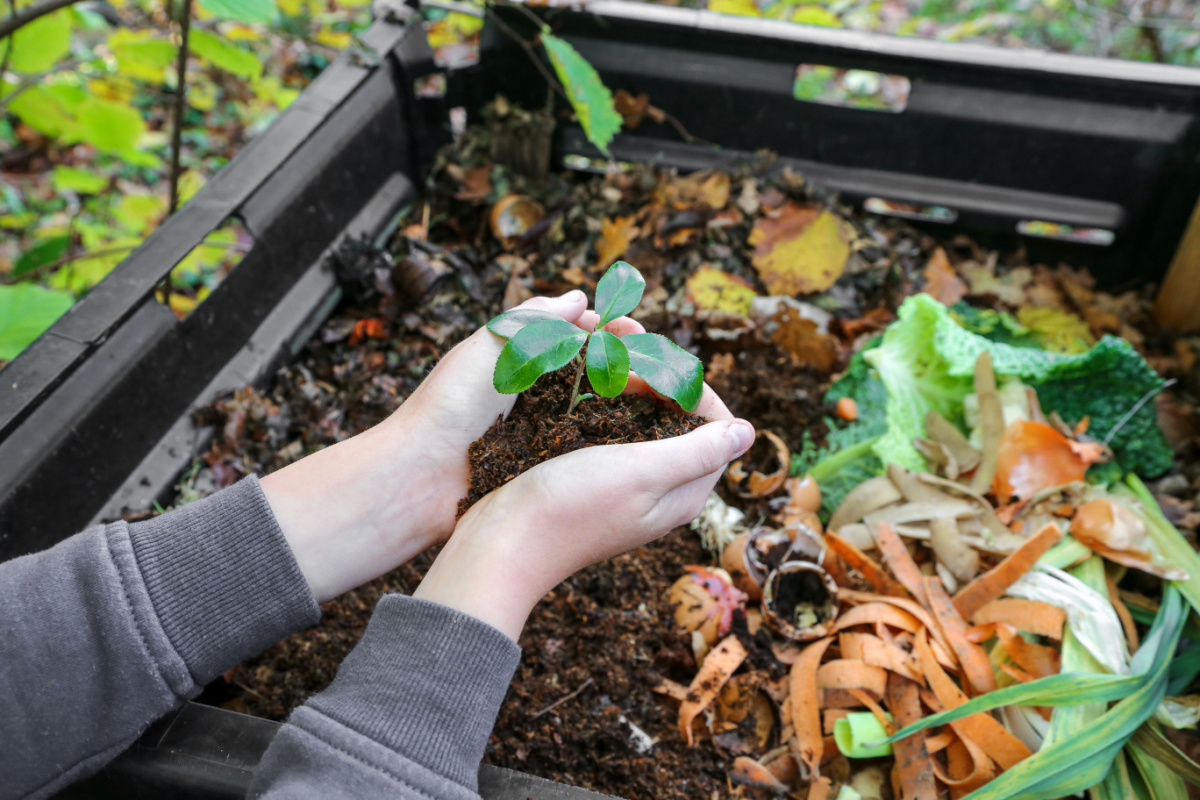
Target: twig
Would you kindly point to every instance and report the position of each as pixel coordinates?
(558, 703)
(12, 12)
(29, 81)
(30, 13)
(1137, 407)
(185, 24)
(108, 251)
(533, 56)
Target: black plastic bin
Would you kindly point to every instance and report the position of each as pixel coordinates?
(98, 409)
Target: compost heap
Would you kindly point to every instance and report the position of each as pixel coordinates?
(984, 529)
(995, 605)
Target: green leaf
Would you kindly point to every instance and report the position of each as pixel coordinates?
(223, 54)
(142, 54)
(38, 45)
(25, 311)
(535, 350)
(45, 111)
(108, 126)
(607, 364)
(241, 10)
(41, 254)
(73, 179)
(618, 292)
(668, 368)
(508, 323)
(590, 98)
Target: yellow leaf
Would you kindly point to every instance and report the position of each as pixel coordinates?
(338, 39)
(716, 290)
(116, 88)
(742, 8)
(1057, 330)
(239, 32)
(799, 251)
(190, 182)
(616, 234)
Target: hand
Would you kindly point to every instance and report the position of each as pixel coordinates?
(355, 510)
(520, 541)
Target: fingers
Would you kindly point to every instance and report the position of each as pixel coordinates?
(671, 463)
(569, 306)
(621, 326)
(710, 406)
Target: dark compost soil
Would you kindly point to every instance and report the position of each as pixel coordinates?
(539, 428)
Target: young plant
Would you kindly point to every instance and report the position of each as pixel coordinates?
(541, 342)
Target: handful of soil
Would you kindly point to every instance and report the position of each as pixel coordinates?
(539, 428)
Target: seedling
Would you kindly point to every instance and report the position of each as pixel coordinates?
(541, 342)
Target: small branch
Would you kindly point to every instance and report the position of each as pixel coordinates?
(533, 56)
(185, 24)
(29, 81)
(12, 12)
(558, 703)
(30, 13)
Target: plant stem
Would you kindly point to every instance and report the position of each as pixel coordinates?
(185, 24)
(30, 13)
(578, 378)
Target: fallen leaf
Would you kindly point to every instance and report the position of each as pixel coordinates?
(801, 337)
(476, 182)
(799, 250)
(616, 234)
(1008, 288)
(941, 281)
(517, 290)
(708, 189)
(714, 289)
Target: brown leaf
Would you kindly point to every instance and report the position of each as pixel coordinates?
(476, 182)
(801, 338)
(799, 250)
(616, 234)
(517, 290)
(699, 190)
(941, 281)
(631, 108)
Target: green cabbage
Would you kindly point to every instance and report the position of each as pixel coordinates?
(926, 360)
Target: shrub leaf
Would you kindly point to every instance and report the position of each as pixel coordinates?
(535, 350)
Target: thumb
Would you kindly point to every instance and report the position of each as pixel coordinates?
(569, 306)
(704, 451)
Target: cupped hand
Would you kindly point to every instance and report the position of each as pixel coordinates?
(364, 506)
(518, 542)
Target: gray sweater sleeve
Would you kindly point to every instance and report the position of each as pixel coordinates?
(408, 714)
(116, 626)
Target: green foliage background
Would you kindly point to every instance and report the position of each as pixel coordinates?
(86, 95)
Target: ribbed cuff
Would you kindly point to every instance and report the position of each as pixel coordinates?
(223, 581)
(425, 681)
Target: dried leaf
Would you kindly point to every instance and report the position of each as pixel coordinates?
(941, 281)
(799, 250)
(802, 338)
(1008, 288)
(616, 234)
(476, 182)
(714, 289)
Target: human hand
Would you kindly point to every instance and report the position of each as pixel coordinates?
(518, 542)
(357, 509)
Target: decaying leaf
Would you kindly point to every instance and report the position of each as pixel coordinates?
(802, 338)
(799, 249)
(941, 281)
(1008, 288)
(714, 289)
(700, 190)
(616, 234)
(1057, 330)
(476, 182)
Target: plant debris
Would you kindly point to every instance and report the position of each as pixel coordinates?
(859, 570)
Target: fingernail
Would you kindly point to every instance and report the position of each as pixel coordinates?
(742, 434)
(573, 296)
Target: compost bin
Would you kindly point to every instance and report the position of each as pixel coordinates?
(1003, 145)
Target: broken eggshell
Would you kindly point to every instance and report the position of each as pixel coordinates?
(513, 216)
(800, 601)
(704, 601)
(750, 557)
(755, 483)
